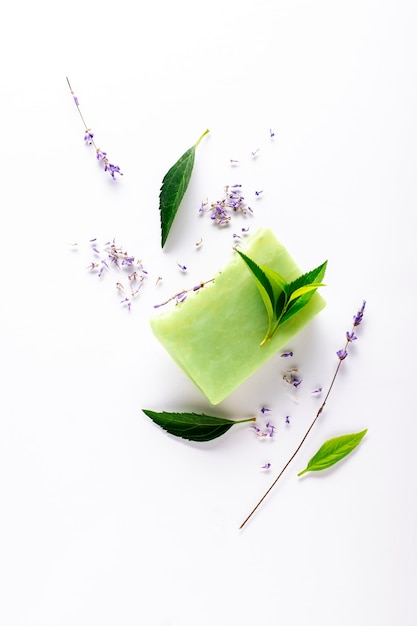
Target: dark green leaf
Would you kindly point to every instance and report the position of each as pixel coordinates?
(193, 426)
(265, 288)
(262, 281)
(333, 450)
(282, 300)
(174, 186)
(314, 276)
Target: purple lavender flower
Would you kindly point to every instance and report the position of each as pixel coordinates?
(266, 466)
(342, 354)
(101, 156)
(350, 336)
(127, 302)
(292, 378)
(89, 140)
(264, 410)
(128, 260)
(357, 319)
(113, 169)
(233, 201)
(88, 137)
(287, 419)
(271, 429)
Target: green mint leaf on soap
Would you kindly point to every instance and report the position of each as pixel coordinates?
(265, 288)
(282, 300)
(333, 451)
(174, 186)
(302, 289)
(193, 426)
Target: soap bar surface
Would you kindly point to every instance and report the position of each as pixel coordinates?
(215, 334)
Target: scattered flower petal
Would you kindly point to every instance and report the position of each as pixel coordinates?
(222, 210)
(291, 377)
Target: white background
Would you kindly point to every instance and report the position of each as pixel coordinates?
(105, 519)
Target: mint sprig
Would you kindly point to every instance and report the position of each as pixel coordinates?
(282, 300)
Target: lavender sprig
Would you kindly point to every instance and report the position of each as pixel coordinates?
(89, 140)
(341, 354)
(182, 295)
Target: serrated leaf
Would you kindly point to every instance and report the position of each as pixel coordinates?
(313, 276)
(262, 281)
(174, 186)
(282, 300)
(333, 451)
(265, 288)
(308, 278)
(193, 426)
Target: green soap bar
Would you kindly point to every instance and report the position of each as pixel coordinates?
(215, 334)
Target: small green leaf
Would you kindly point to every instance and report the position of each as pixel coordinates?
(174, 186)
(193, 426)
(309, 278)
(333, 450)
(278, 283)
(303, 290)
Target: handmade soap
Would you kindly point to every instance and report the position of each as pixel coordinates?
(215, 334)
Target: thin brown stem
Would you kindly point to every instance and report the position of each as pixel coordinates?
(79, 111)
(300, 444)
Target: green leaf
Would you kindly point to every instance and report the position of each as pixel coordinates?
(282, 300)
(303, 290)
(333, 450)
(174, 186)
(265, 289)
(262, 281)
(309, 278)
(193, 426)
(278, 283)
